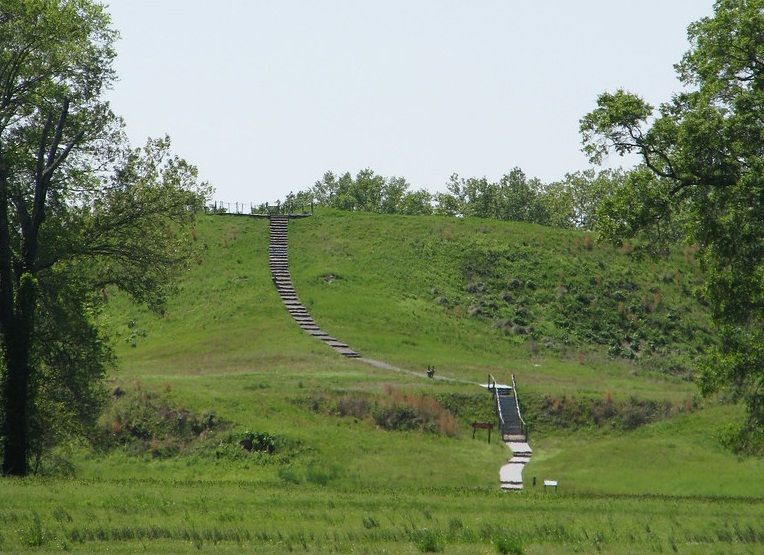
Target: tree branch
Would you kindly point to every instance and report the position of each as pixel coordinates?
(6, 275)
(41, 149)
(67, 149)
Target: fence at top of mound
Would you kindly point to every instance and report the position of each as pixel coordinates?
(287, 208)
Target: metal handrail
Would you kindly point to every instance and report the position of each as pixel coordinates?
(251, 208)
(491, 379)
(517, 405)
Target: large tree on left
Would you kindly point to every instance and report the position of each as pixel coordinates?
(79, 211)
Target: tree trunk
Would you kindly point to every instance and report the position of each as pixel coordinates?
(18, 343)
(16, 401)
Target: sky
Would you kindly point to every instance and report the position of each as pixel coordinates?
(266, 96)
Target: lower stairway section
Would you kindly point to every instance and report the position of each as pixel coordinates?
(279, 264)
(513, 433)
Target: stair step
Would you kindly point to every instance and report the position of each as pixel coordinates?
(337, 344)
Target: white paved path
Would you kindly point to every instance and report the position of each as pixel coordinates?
(420, 374)
(511, 474)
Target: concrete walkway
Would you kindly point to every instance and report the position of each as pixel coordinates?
(386, 366)
(511, 474)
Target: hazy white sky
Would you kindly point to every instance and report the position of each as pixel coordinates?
(265, 96)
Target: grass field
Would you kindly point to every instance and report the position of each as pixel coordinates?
(343, 483)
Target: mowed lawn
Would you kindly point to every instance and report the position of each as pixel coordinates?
(226, 344)
(190, 516)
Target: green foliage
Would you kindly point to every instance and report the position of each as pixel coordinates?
(142, 421)
(79, 210)
(703, 161)
(549, 412)
(225, 342)
(35, 534)
(571, 202)
(428, 541)
(393, 410)
(508, 545)
(369, 192)
(574, 294)
(262, 442)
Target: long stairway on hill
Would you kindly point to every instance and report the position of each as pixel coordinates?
(278, 260)
(513, 433)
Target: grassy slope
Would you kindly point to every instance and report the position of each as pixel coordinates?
(382, 302)
(226, 343)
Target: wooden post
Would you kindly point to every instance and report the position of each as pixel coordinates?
(482, 426)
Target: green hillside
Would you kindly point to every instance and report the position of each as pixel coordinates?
(357, 458)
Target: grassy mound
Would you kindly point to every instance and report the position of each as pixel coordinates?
(385, 460)
(419, 285)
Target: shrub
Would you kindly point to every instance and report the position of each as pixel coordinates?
(396, 417)
(743, 440)
(420, 410)
(370, 522)
(145, 421)
(321, 474)
(394, 410)
(428, 541)
(353, 405)
(506, 544)
(259, 441)
(571, 412)
(289, 475)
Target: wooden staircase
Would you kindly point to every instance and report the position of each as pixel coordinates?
(278, 261)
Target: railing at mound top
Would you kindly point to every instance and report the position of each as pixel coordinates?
(492, 380)
(286, 208)
(517, 405)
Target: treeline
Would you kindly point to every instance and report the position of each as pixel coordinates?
(569, 203)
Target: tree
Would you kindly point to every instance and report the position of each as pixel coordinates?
(703, 156)
(79, 211)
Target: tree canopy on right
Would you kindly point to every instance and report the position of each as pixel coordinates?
(703, 174)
